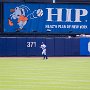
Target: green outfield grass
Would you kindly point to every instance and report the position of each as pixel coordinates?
(37, 74)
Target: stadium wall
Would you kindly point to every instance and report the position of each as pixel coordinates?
(30, 46)
(56, 46)
(44, 19)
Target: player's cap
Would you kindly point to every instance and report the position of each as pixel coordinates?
(42, 43)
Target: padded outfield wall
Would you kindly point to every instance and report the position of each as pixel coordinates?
(30, 46)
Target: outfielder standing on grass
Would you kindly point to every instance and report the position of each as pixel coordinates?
(43, 47)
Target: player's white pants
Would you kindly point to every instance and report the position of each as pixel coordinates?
(44, 52)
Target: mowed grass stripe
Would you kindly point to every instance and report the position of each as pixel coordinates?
(37, 74)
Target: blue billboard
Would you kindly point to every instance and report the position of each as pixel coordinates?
(85, 46)
(43, 18)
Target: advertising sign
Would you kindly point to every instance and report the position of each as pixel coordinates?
(85, 46)
(43, 18)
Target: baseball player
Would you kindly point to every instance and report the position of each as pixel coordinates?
(43, 47)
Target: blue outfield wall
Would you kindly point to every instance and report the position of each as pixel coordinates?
(30, 46)
(67, 47)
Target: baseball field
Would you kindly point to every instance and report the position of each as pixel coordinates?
(60, 73)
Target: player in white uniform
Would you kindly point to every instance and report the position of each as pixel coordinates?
(43, 47)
